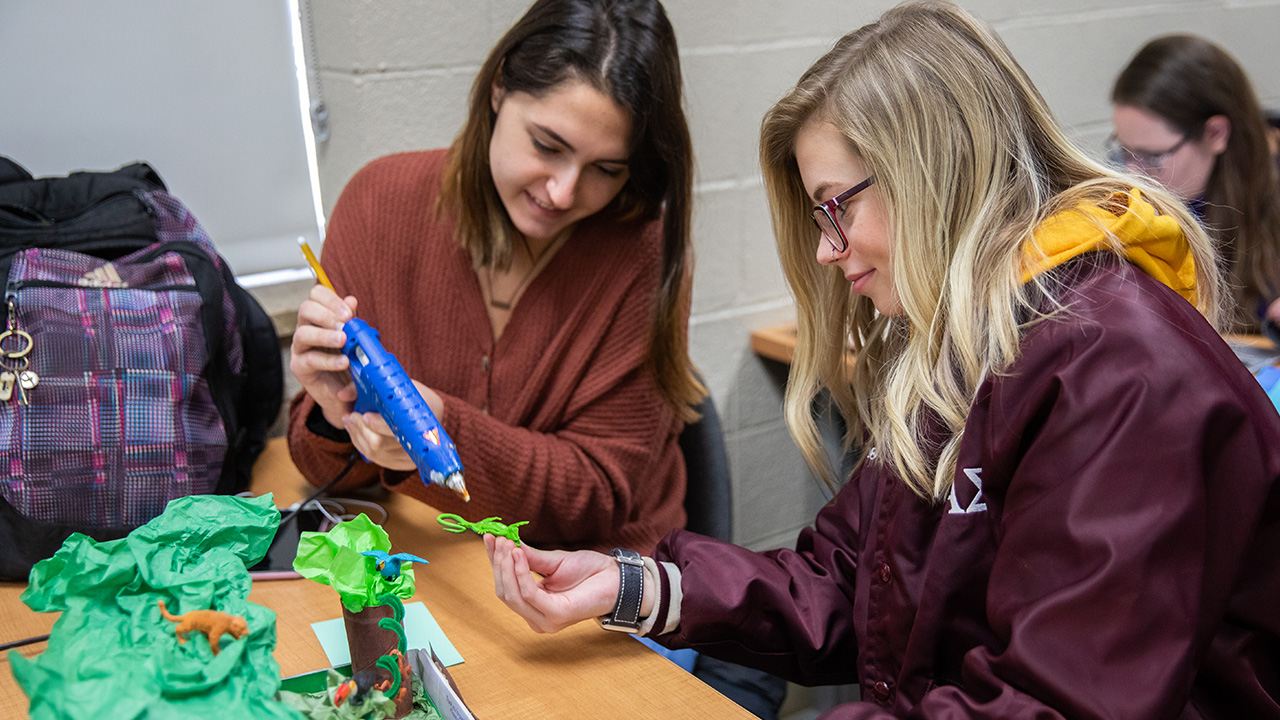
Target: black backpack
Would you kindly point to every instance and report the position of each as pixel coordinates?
(55, 233)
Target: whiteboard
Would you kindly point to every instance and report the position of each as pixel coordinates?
(208, 93)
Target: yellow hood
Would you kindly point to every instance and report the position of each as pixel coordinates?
(1153, 242)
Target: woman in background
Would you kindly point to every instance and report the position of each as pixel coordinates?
(1186, 114)
(1067, 504)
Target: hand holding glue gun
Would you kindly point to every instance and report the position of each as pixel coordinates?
(392, 420)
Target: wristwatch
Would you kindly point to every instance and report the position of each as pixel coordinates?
(626, 611)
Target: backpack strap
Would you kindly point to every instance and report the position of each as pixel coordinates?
(143, 174)
(49, 200)
(11, 171)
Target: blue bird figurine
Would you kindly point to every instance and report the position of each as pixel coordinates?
(389, 565)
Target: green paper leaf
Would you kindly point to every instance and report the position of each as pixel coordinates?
(111, 654)
(334, 558)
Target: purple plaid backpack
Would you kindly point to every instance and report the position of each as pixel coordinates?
(133, 369)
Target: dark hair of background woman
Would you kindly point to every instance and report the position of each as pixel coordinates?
(1186, 80)
(627, 50)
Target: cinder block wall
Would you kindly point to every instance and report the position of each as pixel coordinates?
(395, 75)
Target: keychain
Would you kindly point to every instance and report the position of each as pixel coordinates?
(15, 345)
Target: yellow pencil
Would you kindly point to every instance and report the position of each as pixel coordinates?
(315, 264)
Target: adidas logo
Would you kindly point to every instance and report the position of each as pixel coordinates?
(103, 276)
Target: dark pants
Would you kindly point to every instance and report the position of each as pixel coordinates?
(755, 690)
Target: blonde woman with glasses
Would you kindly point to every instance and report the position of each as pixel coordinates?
(1067, 503)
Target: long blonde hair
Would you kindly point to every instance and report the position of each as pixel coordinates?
(968, 160)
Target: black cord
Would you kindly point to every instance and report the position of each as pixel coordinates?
(20, 643)
(351, 462)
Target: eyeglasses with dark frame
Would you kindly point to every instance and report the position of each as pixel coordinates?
(1121, 156)
(824, 216)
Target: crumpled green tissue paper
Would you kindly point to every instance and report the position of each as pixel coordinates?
(112, 655)
(333, 558)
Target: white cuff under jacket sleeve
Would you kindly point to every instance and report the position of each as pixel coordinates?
(665, 579)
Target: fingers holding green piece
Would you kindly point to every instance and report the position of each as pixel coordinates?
(489, 525)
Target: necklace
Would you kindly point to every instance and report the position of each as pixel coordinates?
(533, 267)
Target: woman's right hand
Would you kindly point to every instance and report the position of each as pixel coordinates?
(575, 586)
(315, 356)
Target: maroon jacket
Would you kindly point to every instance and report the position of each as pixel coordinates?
(1112, 549)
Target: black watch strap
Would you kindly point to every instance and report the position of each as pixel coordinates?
(626, 611)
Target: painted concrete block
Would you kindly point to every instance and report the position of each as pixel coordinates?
(761, 274)
(727, 93)
(774, 493)
(1074, 63)
(747, 393)
(375, 35)
(699, 23)
(372, 117)
(717, 233)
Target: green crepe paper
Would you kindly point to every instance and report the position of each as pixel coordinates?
(111, 654)
(376, 705)
(333, 558)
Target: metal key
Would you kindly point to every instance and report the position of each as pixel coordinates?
(28, 379)
(7, 380)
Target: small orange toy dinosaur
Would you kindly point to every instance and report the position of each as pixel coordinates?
(213, 623)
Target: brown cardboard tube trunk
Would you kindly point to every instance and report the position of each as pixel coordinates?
(368, 642)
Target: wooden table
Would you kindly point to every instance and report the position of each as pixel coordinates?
(509, 671)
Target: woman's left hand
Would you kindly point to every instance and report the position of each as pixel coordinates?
(575, 586)
(372, 436)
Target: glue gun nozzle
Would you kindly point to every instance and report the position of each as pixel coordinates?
(454, 482)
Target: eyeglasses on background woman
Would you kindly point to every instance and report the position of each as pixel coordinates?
(1146, 162)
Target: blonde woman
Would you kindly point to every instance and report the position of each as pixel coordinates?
(1067, 502)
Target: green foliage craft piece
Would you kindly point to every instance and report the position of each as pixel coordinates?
(394, 626)
(335, 558)
(111, 655)
(491, 525)
(393, 602)
(388, 663)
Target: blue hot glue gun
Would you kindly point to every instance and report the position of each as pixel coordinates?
(385, 388)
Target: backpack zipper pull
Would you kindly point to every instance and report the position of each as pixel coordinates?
(14, 358)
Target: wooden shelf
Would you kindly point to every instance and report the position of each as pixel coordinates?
(778, 342)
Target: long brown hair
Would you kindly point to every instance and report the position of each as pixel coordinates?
(1185, 80)
(627, 50)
